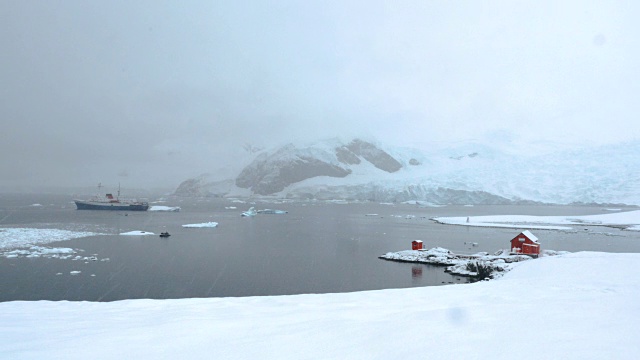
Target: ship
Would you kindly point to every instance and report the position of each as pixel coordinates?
(109, 202)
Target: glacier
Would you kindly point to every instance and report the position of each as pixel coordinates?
(465, 173)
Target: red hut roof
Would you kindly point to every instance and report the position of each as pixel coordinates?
(530, 236)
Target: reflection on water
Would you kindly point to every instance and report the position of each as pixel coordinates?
(416, 271)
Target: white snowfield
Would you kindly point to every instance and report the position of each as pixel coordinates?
(629, 220)
(575, 306)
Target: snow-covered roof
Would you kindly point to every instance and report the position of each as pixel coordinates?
(418, 241)
(529, 235)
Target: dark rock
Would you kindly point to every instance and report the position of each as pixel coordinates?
(375, 156)
(345, 156)
(270, 174)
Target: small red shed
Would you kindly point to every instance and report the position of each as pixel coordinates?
(416, 245)
(525, 243)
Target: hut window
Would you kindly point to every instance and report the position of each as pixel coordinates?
(521, 239)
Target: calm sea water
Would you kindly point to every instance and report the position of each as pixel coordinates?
(315, 248)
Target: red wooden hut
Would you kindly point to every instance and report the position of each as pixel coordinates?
(416, 245)
(525, 243)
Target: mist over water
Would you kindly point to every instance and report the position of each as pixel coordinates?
(151, 94)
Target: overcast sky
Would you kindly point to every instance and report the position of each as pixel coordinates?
(149, 93)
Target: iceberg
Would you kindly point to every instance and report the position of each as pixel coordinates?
(251, 212)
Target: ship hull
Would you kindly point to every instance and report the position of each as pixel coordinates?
(88, 205)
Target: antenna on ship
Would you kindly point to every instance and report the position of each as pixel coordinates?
(118, 190)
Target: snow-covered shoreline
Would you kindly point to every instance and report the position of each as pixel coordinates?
(577, 306)
(498, 264)
(629, 220)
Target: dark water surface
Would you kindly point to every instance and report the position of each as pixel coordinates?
(315, 248)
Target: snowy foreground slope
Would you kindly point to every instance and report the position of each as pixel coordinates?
(576, 306)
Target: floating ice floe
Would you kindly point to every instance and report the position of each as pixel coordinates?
(164, 208)
(36, 205)
(272, 211)
(230, 207)
(202, 225)
(40, 251)
(137, 233)
(75, 272)
(249, 213)
(11, 238)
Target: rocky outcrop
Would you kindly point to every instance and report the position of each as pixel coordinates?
(345, 156)
(202, 187)
(379, 158)
(270, 174)
(192, 187)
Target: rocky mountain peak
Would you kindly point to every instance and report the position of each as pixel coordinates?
(272, 172)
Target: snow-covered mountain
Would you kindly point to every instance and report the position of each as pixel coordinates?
(468, 173)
